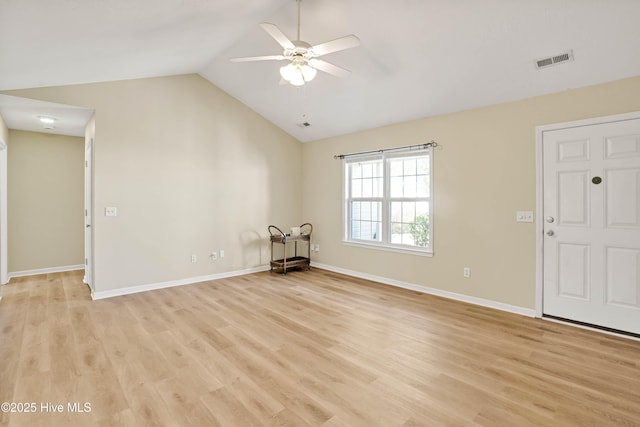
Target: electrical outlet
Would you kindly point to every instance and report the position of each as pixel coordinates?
(221, 253)
(466, 272)
(194, 258)
(317, 248)
(213, 256)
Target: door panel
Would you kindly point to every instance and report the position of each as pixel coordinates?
(623, 198)
(573, 270)
(591, 245)
(623, 146)
(623, 280)
(573, 206)
(571, 151)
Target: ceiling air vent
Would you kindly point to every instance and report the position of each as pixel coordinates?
(554, 60)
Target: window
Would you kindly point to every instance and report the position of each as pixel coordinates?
(388, 201)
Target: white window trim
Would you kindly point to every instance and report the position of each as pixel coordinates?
(390, 248)
(385, 229)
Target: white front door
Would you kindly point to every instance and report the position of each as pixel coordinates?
(591, 217)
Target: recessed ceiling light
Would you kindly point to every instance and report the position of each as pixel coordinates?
(47, 120)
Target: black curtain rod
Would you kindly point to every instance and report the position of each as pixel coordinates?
(384, 150)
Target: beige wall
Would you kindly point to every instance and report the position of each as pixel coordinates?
(45, 200)
(191, 171)
(484, 171)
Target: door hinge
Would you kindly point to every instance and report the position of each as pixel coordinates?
(86, 261)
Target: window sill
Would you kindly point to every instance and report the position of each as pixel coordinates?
(388, 248)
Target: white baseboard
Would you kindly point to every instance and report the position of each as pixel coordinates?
(172, 283)
(432, 291)
(45, 271)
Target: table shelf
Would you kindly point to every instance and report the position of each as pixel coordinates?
(296, 261)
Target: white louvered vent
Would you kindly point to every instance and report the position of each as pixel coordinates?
(554, 60)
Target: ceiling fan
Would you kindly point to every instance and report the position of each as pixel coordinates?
(302, 56)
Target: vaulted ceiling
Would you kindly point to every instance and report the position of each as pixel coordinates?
(417, 58)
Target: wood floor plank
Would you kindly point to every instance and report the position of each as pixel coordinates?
(311, 348)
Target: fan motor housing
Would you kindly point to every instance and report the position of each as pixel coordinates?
(301, 49)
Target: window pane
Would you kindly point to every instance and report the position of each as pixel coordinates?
(396, 211)
(377, 187)
(367, 170)
(356, 188)
(368, 211)
(375, 234)
(355, 210)
(378, 169)
(355, 230)
(410, 167)
(410, 186)
(423, 165)
(368, 230)
(365, 221)
(367, 189)
(365, 230)
(422, 209)
(356, 170)
(396, 232)
(395, 167)
(408, 212)
(396, 186)
(422, 189)
(407, 236)
(420, 231)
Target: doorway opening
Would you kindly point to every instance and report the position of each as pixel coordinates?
(23, 116)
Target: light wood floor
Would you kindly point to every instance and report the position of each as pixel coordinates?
(310, 348)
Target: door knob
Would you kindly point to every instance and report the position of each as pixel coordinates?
(550, 219)
(550, 233)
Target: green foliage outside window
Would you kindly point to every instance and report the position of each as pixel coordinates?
(420, 231)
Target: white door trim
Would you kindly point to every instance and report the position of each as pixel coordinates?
(4, 258)
(540, 130)
(88, 204)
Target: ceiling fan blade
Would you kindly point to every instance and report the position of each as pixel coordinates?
(277, 35)
(329, 68)
(258, 58)
(346, 42)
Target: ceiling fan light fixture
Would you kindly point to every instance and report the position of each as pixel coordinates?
(298, 74)
(297, 79)
(304, 63)
(288, 71)
(309, 73)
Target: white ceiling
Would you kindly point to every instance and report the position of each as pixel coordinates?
(23, 114)
(418, 58)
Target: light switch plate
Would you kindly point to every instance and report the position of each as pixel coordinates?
(524, 216)
(110, 211)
